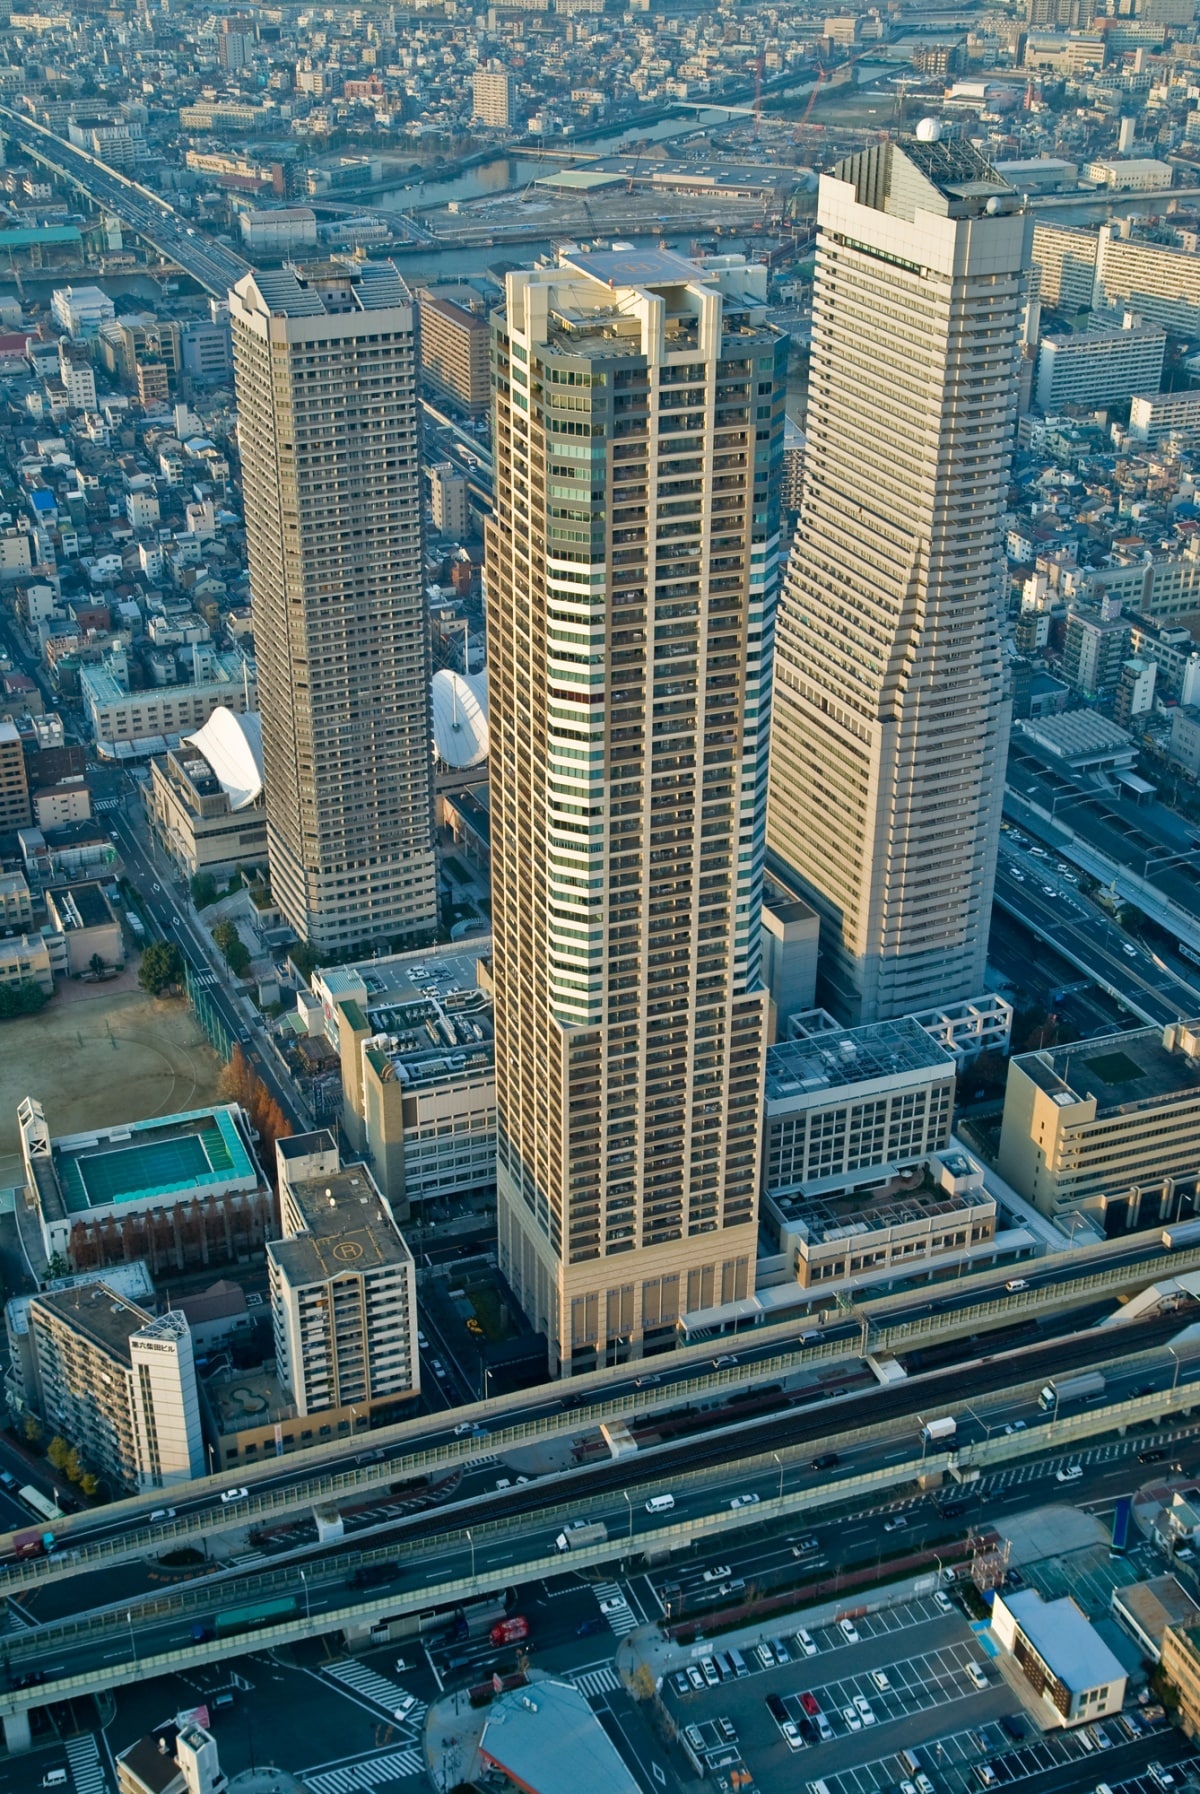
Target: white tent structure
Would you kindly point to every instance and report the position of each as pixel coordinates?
(232, 745)
(460, 718)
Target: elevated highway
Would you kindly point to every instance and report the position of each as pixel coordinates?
(486, 1544)
(783, 1353)
(211, 265)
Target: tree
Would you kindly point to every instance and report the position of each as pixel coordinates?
(56, 1266)
(89, 1482)
(233, 948)
(31, 1427)
(25, 998)
(96, 964)
(204, 890)
(305, 958)
(58, 1452)
(161, 967)
(74, 1466)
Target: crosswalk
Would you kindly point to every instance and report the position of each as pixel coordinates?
(104, 804)
(622, 1619)
(360, 1778)
(374, 1688)
(87, 1771)
(598, 1681)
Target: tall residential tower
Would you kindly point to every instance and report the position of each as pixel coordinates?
(631, 581)
(326, 358)
(888, 744)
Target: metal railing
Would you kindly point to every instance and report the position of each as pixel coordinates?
(461, 1453)
(679, 1535)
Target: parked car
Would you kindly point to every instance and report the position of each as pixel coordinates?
(880, 1679)
(865, 1710)
(807, 1643)
(849, 1631)
(853, 1722)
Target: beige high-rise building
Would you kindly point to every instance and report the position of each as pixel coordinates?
(631, 577)
(495, 94)
(888, 744)
(326, 357)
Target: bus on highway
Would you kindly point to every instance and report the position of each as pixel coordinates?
(248, 1619)
(41, 1504)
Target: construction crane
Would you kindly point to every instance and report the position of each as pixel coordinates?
(811, 101)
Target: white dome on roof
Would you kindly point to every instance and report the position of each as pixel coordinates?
(460, 718)
(929, 130)
(232, 745)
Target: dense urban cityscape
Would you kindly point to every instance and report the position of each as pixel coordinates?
(600, 898)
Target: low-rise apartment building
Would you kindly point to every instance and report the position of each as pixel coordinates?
(343, 1287)
(118, 1384)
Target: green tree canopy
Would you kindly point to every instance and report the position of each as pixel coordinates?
(161, 967)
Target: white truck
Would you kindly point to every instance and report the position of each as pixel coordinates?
(580, 1532)
(939, 1432)
(1072, 1389)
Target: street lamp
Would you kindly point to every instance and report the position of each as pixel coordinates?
(307, 1606)
(629, 1505)
(1175, 1378)
(471, 1543)
(779, 1461)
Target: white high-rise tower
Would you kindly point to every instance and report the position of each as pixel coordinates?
(891, 722)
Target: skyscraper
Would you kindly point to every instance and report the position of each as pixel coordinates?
(890, 727)
(631, 570)
(326, 360)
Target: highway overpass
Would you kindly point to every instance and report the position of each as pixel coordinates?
(211, 265)
(430, 1446)
(476, 1550)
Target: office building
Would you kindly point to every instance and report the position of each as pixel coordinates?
(891, 719)
(1130, 174)
(14, 784)
(923, 1221)
(118, 1384)
(630, 600)
(1071, 1671)
(284, 230)
(1099, 367)
(80, 311)
(205, 798)
(415, 1040)
(343, 1288)
(495, 94)
(1108, 1119)
(327, 386)
(454, 352)
(128, 723)
(850, 1100)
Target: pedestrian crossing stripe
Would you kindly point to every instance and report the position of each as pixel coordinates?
(359, 1778)
(375, 1688)
(598, 1681)
(87, 1771)
(624, 1619)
